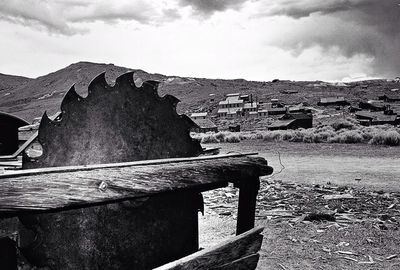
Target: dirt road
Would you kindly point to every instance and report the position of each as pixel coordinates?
(360, 165)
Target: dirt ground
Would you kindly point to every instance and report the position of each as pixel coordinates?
(312, 223)
(361, 165)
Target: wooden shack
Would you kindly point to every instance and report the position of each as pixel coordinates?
(293, 121)
(333, 101)
(204, 125)
(9, 125)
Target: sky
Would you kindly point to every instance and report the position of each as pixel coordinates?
(331, 40)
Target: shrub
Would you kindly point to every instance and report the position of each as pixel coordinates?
(350, 136)
(209, 138)
(342, 124)
(391, 138)
(232, 138)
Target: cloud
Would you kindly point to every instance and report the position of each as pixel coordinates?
(355, 27)
(33, 13)
(208, 7)
(64, 16)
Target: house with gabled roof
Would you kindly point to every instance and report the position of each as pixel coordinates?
(336, 101)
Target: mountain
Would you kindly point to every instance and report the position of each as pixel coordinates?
(29, 98)
(9, 82)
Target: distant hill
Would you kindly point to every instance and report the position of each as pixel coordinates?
(9, 82)
(29, 98)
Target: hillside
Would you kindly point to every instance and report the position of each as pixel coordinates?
(9, 83)
(29, 98)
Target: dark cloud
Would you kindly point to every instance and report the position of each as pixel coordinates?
(33, 13)
(208, 7)
(61, 16)
(356, 27)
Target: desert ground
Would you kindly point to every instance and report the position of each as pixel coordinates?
(327, 206)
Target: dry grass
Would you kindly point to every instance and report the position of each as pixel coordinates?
(340, 131)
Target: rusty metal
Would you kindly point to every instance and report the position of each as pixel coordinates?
(114, 124)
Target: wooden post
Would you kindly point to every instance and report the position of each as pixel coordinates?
(8, 254)
(247, 204)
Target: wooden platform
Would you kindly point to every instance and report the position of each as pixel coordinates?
(54, 189)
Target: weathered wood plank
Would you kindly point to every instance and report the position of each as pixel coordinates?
(246, 263)
(27, 172)
(247, 204)
(222, 254)
(49, 191)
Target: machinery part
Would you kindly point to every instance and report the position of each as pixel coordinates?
(117, 123)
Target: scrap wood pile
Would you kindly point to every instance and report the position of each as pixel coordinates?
(279, 201)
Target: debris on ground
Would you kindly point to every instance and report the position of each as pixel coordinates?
(292, 202)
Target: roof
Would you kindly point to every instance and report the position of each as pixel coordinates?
(332, 99)
(277, 110)
(289, 91)
(297, 116)
(204, 123)
(385, 118)
(390, 96)
(366, 114)
(200, 114)
(281, 123)
(233, 95)
(17, 120)
(377, 116)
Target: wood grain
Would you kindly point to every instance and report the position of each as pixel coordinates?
(51, 191)
(246, 263)
(232, 250)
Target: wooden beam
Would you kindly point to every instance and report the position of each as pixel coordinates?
(21, 149)
(247, 204)
(27, 172)
(235, 249)
(56, 191)
(246, 263)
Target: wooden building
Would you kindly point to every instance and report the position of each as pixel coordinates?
(389, 98)
(199, 115)
(9, 125)
(293, 121)
(204, 125)
(277, 111)
(335, 101)
(367, 118)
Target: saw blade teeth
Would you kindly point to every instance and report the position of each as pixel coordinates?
(171, 100)
(151, 84)
(70, 97)
(151, 87)
(97, 84)
(125, 79)
(45, 123)
(187, 120)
